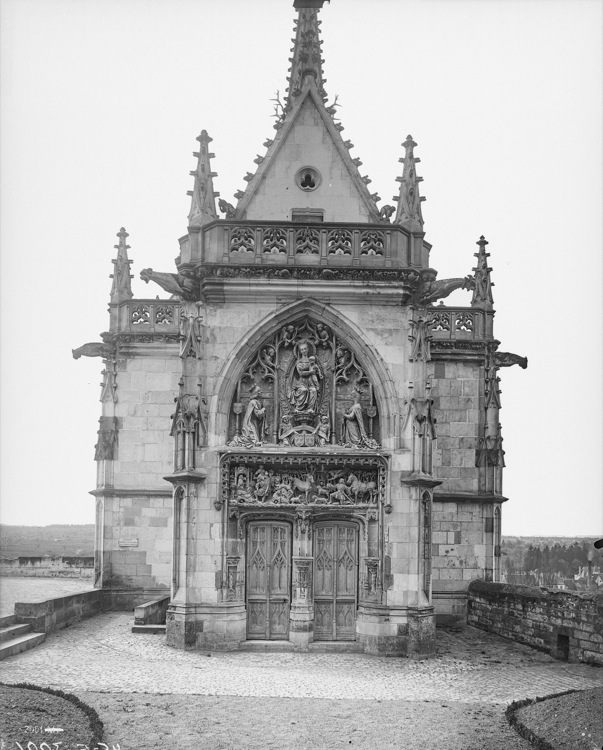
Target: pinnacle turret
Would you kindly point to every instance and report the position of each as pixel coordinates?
(306, 61)
(409, 201)
(482, 292)
(121, 288)
(203, 197)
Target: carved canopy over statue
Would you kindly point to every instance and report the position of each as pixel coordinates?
(304, 388)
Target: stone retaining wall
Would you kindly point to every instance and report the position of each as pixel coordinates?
(48, 567)
(54, 614)
(566, 624)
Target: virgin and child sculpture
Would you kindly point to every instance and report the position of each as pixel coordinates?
(304, 390)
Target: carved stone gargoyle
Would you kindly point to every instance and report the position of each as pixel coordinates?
(508, 359)
(434, 290)
(176, 284)
(226, 208)
(93, 349)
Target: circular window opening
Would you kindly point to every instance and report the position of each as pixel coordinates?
(308, 179)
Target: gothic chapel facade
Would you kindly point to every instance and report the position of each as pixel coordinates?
(297, 445)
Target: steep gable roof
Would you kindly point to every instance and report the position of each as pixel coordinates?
(308, 137)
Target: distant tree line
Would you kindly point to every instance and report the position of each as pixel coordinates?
(540, 562)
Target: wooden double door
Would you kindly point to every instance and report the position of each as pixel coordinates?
(335, 580)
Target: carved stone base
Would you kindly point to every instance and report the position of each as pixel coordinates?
(393, 631)
(216, 627)
(301, 626)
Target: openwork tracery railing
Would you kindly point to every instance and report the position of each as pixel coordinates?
(347, 244)
(149, 316)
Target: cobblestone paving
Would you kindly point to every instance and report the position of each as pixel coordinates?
(102, 655)
(22, 589)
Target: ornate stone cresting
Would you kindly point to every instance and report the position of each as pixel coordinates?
(409, 201)
(304, 388)
(121, 289)
(482, 290)
(306, 60)
(203, 197)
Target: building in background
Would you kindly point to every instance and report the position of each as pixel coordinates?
(267, 449)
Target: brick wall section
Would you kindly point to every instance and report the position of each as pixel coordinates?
(551, 621)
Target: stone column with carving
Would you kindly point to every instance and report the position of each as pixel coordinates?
(301, 620)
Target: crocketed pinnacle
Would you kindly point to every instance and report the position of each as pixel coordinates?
(409, 201)
(121, 288)
(307, 61)
(482, 292)
(203, 198)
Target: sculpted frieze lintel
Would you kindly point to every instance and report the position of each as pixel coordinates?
(298, 482)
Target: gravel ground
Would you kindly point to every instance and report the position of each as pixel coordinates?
(570, 722)
(138, 721)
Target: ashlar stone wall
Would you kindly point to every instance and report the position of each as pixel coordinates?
(566, 624)
(134, 500)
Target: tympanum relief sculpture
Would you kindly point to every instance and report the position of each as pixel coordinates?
(304, 388)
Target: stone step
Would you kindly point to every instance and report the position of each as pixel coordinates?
(12, 631)
(270, 646)
(22, 643)
(8, 620)
(148, 629)
(339, 647)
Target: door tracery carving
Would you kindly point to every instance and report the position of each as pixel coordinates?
(304, 388)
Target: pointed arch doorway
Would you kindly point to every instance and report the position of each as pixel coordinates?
(335, 580)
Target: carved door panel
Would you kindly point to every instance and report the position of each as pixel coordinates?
(268, 580)
(335, 581)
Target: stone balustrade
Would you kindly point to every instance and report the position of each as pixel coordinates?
(380, 246)
(456, 323)
(149, 316)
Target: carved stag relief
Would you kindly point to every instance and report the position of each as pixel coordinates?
(304, 388)
(304, 485)
(269, 487)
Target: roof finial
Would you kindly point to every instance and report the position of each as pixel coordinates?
(306, 63)
(409, 201)
(203, 203)
(482, 293)
(121, 288)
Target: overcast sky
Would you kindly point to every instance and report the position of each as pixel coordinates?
(101, 104)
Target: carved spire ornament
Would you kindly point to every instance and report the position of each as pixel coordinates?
(203, 197)
(409, 201)
(306, 62)
(482, 291)
(121, 288)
